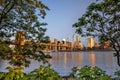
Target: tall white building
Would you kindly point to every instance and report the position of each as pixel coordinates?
(91, 42)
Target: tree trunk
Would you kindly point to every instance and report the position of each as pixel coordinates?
(118, 58)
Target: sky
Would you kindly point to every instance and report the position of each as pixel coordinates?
(62, 15)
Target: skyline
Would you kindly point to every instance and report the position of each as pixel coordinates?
(62, 15)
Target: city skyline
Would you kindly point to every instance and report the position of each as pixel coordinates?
(62, 15)
(90, 41)
(84, 43)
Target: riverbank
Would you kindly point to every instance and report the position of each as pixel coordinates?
(48, 51)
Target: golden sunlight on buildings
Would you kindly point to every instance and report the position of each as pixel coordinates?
(91, 42)
(106, 44)
(64, 45)
(77, 45)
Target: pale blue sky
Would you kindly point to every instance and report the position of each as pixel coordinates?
(62, 15)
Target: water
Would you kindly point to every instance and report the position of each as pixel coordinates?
(63, 62)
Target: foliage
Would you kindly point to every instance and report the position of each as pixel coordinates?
(2, 75)
(4, 48)
(42, 73)
(74, 71)
(47, 73)
(13, 74)
(90, 73)
(102, 20)
(22, 16)
(117, 73)
(22, 54)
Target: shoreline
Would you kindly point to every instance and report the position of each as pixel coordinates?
(78, 50)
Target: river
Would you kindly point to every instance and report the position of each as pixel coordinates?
(63, 62)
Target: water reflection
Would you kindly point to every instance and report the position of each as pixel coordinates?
(63, 62)
(92, 58)
(109, 60)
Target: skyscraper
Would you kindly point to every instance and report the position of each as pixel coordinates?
(77, 41)
(91, 42)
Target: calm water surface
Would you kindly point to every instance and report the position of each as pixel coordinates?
(63, 62)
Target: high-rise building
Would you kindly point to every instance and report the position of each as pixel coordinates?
(55, 40)
(91, 42)
(64, 41)
(77, 41)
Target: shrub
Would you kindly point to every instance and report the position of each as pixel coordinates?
(90, 73)
(43, 73)
(13, 74)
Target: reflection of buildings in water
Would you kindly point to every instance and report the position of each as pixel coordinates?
(76, 59)
(79, 59)
(92, 58)
(65, 61)
(49, 60)
(55, 61)
(65, 58)
(70, 59)
(109, 60)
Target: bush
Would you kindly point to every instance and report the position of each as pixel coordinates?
(90, 73)
(42, 73)
(13, 74)
(117, 74)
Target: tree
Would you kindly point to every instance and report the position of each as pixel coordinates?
(103, 20)
(22, 15)
(25, 16)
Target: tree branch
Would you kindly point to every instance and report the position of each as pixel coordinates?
(7, 11)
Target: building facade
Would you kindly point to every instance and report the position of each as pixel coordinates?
(91, 42)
